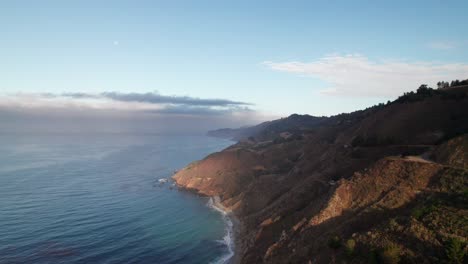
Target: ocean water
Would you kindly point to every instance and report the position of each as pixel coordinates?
(96, 199)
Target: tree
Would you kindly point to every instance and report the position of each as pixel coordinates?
(442, 85)
(423, 89)
(455, 83)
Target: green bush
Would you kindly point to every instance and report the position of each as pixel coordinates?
(334, 242)
(390, 254)
(455, 251)
(417, 213)
(420, 212)
(349, 247)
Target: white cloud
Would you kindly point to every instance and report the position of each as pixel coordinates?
(442, 45)
(357, 75)
(39, 101)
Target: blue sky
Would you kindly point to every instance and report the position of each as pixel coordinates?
(283, 57)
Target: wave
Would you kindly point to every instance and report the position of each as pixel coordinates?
(228, 238)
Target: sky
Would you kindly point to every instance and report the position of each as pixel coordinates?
(228, 63)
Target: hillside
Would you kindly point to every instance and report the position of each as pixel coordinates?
(269, 130)
(387, 184)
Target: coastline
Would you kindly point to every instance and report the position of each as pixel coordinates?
(231, 239)
(233, 223)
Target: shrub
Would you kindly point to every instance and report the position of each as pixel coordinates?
(393, 224)
(373, 257)
(420, 212)
(334, 242)
(417, 213)
(455, 251)
(390, 254)
(349, 247)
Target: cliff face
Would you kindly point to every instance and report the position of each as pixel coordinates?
(222, 173)
(381, 184)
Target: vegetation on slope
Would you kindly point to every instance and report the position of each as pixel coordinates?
(387, 184)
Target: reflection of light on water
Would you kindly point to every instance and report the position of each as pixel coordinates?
(41, 156)
(72, 205)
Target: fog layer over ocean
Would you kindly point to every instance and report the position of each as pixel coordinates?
(96, 199)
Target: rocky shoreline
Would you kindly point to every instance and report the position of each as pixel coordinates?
(234, 231)
(234, 224)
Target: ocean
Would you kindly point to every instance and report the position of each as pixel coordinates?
(96, 199)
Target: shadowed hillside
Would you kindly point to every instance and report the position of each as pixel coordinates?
(269, 130)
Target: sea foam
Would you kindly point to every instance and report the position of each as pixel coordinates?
(215, 204)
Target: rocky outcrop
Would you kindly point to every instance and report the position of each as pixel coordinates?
(453, 153)
(222, 173)
(389, 184)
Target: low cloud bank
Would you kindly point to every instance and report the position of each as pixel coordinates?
(120, 113)
(154, 98)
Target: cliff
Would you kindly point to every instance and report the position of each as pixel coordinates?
(384, 184)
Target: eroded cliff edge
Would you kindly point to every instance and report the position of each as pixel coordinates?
(384, 184)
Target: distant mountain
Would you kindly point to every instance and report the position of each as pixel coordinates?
(294, 124)
(386, 184)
